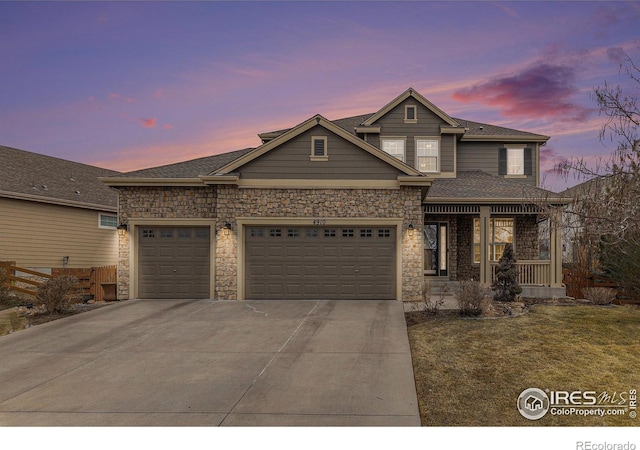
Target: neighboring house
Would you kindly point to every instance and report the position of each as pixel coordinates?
(359, 208)
(575, 251)
(55, 213)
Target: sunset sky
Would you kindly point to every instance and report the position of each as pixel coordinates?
(132, 85)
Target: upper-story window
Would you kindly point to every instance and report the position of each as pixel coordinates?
(410, 114)
(319, 148)
(394, 147)
(428, 155)
(515, 160)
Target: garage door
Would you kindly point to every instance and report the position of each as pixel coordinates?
(344, 263)
(173, 262)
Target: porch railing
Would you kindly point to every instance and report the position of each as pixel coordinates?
(531, 273)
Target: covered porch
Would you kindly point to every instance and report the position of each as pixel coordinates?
(465, 234)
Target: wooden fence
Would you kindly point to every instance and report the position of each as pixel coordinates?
(576, 281)
(92, 281)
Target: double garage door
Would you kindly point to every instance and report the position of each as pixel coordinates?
(349, 263)
(281, 262)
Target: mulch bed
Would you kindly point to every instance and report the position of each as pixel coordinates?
(495, 310)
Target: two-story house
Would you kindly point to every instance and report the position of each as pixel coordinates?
(363, 208)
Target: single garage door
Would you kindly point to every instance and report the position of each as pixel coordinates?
(173, 262)
(332, 263)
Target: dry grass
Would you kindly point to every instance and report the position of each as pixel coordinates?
(470, 372)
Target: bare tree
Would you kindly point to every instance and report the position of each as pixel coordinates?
(607, 207)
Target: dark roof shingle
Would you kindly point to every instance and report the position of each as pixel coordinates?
(44, 178)
(189, 169)
(476, 184)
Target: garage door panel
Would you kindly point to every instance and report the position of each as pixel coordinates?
(320, 263)
(173, 262)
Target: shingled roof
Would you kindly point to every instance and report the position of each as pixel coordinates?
(477, 184)
(35, 177)
(474, 130)
(189, 169)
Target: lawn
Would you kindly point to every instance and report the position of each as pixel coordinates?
(470, 372)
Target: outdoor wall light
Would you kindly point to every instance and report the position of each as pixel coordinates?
(122, 229)
(411, 228)
(65, 261)
(227, 227)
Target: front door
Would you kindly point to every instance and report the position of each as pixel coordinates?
(435, 249)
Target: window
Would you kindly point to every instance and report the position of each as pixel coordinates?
(184, 233)
(366, 233)
(384, 233)
(347, 232)
(107, 221)
(329, 233)
(319, 148)
(428, 152)
(515, 161)
(394, 147)
(500, 234)
(275, 232)
(410, 114)
(166, 233)
(148, 234)
(257, 232)
(293, 232)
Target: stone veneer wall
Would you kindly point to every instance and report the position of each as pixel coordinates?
(158, 203)
(320, 203)
(226, 203)
(527, 243)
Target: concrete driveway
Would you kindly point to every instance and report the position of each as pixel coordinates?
(210, 363)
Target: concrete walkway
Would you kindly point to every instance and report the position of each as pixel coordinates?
(208, 363)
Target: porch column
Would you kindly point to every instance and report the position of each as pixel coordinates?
(485, 267)
(555, 248)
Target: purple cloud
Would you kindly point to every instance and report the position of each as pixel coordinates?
(543, 90)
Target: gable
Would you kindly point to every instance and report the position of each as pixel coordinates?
(293, 160)
(414, 97)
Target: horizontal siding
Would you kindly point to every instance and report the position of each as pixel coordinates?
(428, 125)
(447, 152)
(484, 156)
(291, 160)
(39, 235)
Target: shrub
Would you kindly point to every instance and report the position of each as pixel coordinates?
(472, 298)
(506, 285)
(599, 295)
(58, 294)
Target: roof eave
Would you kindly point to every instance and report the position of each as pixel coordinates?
(143, 181)
(57, 201)
(499, 201)
(503, 138)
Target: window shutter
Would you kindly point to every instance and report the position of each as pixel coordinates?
(528, 161)
(502, 161)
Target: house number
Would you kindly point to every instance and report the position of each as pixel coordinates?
(319, 222)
